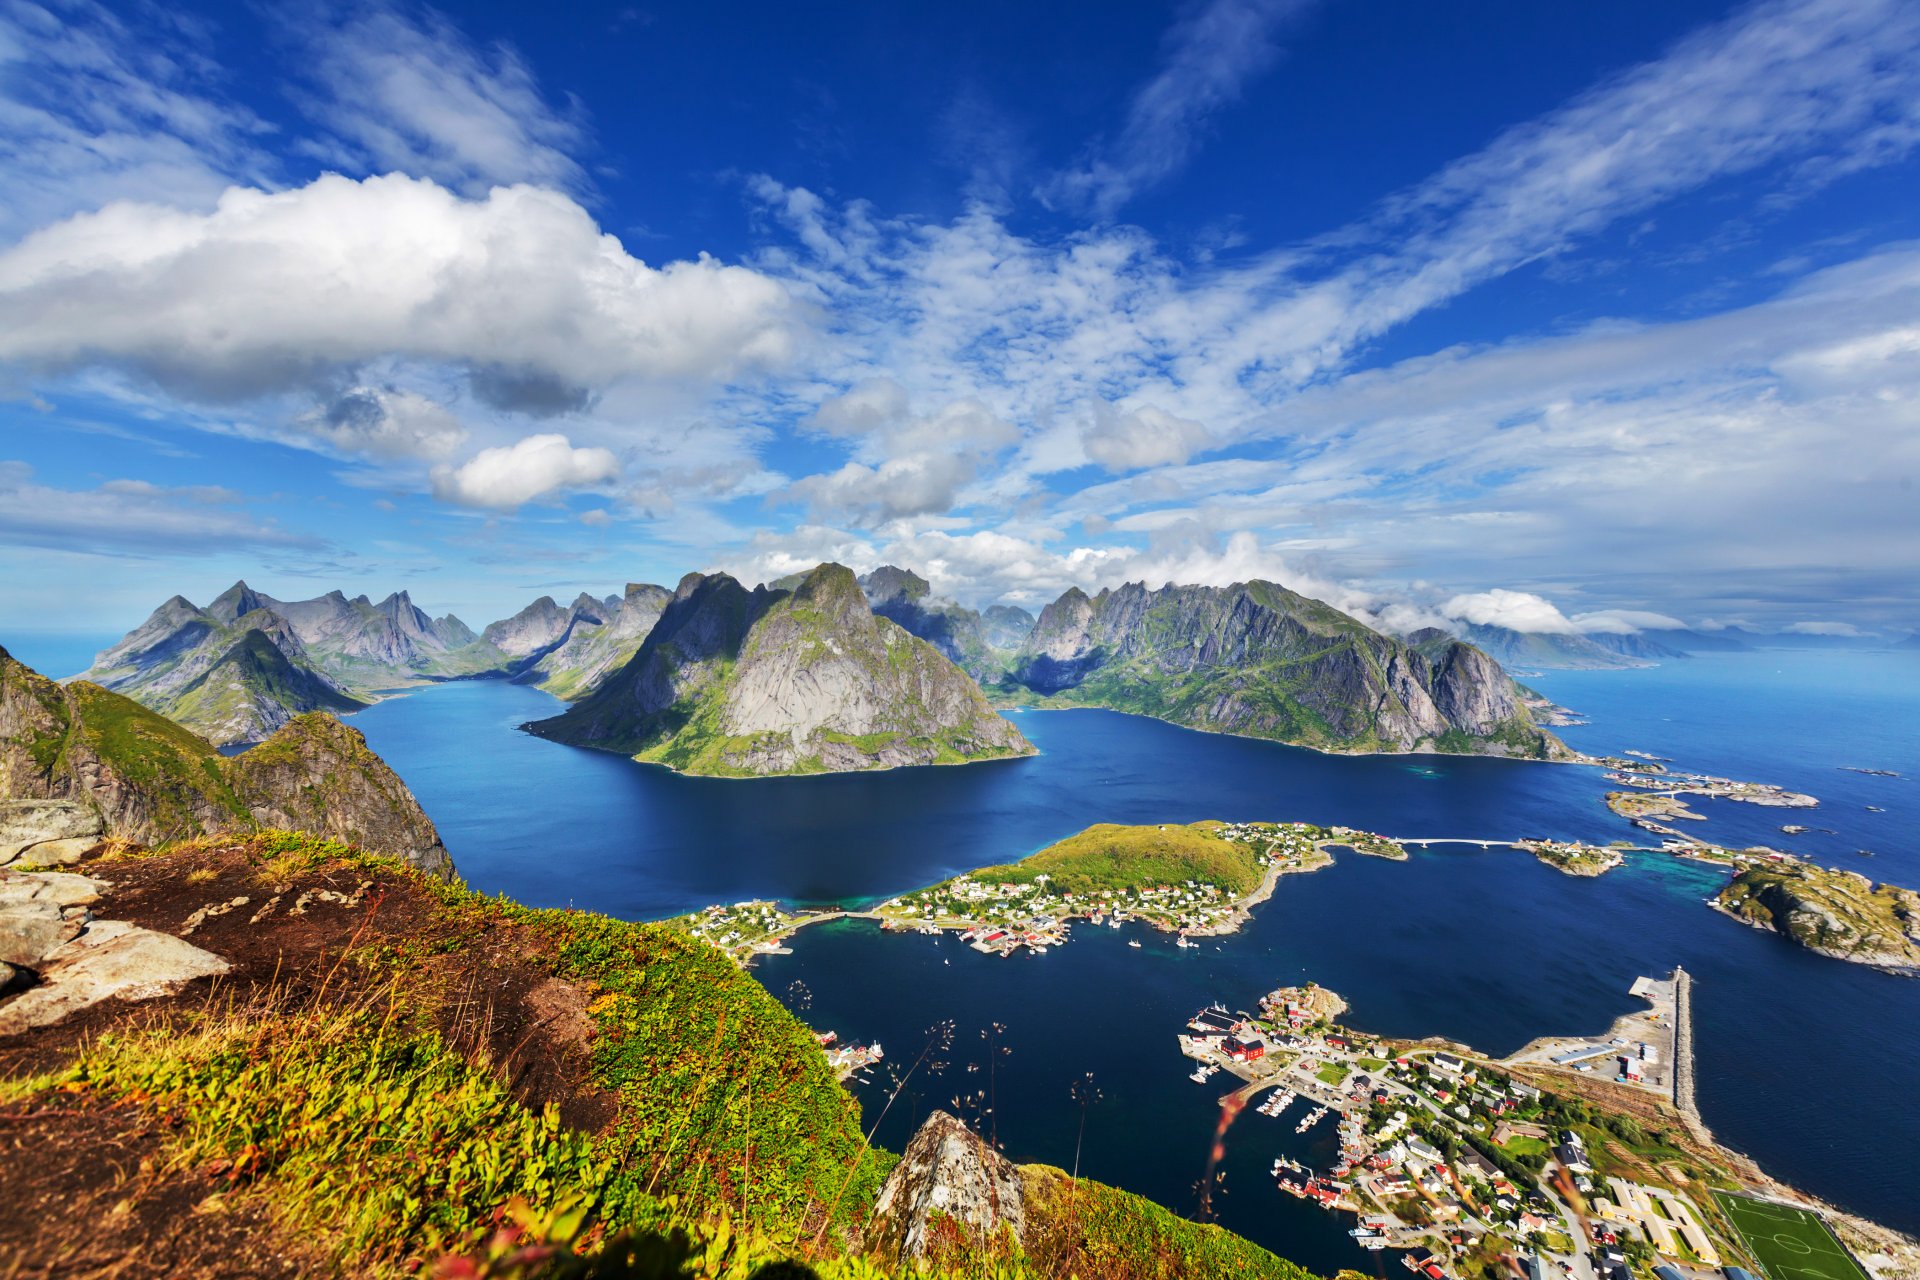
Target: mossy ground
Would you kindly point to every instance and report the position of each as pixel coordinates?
(1110, 857)
(438, 1079)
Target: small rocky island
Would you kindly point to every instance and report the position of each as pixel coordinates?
(738, 683)
(1837, 913)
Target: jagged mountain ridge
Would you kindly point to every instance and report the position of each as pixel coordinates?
(246, 664)
(979, 644)
(78, 749)
(568, 652)
(1259, 660)
(750, 683)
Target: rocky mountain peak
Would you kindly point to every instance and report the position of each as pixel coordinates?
(236, 601)
(891, 582)
(947, 1177)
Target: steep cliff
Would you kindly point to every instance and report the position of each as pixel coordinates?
(808, 680)
(149, 780)
(1260, 660)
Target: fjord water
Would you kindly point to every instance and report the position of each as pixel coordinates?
(1804, 1062)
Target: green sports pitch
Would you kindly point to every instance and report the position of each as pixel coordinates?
(1789, 1243)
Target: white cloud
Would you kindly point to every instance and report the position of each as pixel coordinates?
(1149, 436)
(1846, 629)
(415, 97)
(905, 464)
(387, 423)
(511, 476)
(1624, 622)
(98, 105)
(277, 291)
(1517, 610)
(127, 517)
(1209, 56)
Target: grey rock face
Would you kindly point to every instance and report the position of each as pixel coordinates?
(777, 681)
(1257, 659)
(25, 823)
(946, 1170)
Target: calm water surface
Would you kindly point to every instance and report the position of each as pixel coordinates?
(1806, 1063)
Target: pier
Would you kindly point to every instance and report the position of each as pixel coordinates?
(1683, 1054)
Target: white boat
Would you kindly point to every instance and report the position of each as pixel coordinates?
(1198, 1075)
(1134, 943)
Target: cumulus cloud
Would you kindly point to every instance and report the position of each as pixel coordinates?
(1516, 610)
(410, 93)
(275, 291)
(1148, 436)
(386, 423)
(510, 476)
(905, 464)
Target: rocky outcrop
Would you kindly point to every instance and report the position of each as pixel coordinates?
(1260, 660)
(319, 776)
(66, 960)
(948, 1180)
(47, 832)
(80, 759)
(1841, 914)
(246, 664)
(808, 680)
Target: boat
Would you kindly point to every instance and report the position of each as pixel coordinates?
(1134, 943)
(1311, 1119)
(1198, 1075)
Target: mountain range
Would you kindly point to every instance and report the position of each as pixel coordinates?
(568, 652)
(799, 679)
(1259, 660)
(247, 663)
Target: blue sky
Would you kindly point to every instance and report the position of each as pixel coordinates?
(1571, 317)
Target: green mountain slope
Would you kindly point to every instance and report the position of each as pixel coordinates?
(151, 780)
(749, 683)
(1259, 660)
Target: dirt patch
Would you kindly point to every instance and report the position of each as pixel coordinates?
(90, 1193)
(342, 933)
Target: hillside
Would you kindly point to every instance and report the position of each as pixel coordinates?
(243, 666)
(805, 680)
(1836, 913)
(1259, 660)
(80, 765)
(385, 1082)
(1108, 856)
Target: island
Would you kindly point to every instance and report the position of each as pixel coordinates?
(1841, 914)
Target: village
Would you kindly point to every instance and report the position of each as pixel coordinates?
(1461, 1164)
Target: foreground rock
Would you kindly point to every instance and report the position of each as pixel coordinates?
(947, 1176)
(78, 758)
(1835, 913)
(47, 832)
(749, 683)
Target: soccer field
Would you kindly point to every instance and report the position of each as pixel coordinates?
(1789, 1243)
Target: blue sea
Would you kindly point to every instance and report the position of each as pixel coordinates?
(1805, 1063)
